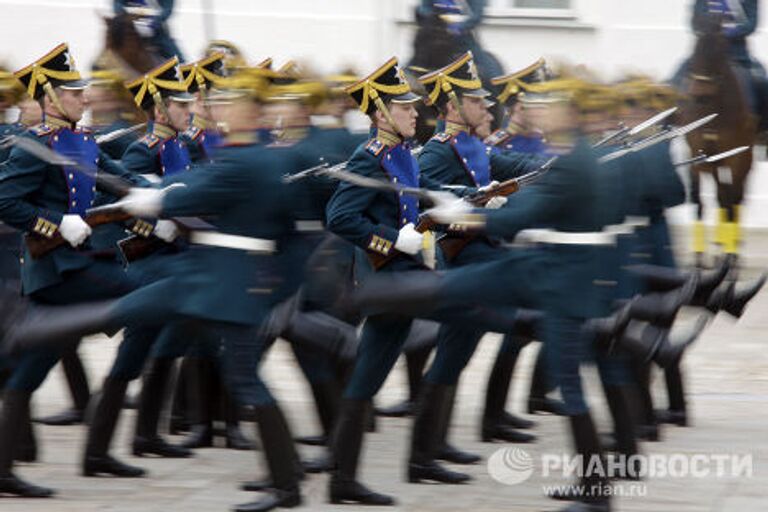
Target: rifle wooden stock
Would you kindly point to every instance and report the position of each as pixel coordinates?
(136, 247)
(38, 245)
(453, 245)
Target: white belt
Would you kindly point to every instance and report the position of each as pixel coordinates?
(636, 221)
(244, 243)
(619, 229)
(308, 226)
(550, 236)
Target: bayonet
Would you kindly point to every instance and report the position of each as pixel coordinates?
(116, 134)
(657, 138)
(714, 158)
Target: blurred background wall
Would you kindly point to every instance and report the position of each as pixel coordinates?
(611, 36)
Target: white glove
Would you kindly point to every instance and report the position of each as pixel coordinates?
(491, 185)
(143, 202)
(74, 229)
(166, 230)
(496, 202)
(409, 240)
(448, 208)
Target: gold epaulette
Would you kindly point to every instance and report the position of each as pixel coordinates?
(41, 129)
(441, 137)
(375, 147)
(380, 245)
(45, 227)
(150, 140)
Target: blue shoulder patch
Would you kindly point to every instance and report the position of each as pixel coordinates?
(41, 129)
(441, 137)
(149, 140)
(497, 137)
(374, 146)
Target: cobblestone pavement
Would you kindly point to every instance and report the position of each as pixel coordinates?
(726, 374)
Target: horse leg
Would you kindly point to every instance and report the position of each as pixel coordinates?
(741, 167)
(724, 179)
(699, 230)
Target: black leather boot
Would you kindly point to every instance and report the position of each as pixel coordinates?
(661, 308)
(327, 398)
(199, 386)
(496, 423)
(77, 381)
(446, 451)
(587, 446)
(26, 449)
(316, 330)
(676, 413)
(538, 402)
(43, 327)
(732, 300)
(647, 427)
(408, 293)
(235, 439)
(672, 348)
(96, 460)
(429, 412)
(619, 403)
(652, 343)
(343, 486)
(15, 409)
(280, 455)
(154, 391)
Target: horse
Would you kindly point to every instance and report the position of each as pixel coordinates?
(713, 85)
(434, 47)
(123, 45)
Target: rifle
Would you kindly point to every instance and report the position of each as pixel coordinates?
(625, 132)
(664, 135)
(453, 245)
(38, 245)
(137, 247)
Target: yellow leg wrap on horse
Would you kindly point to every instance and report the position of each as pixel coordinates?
(722, 218)
(730, 244)
(737, 223)
(699, 237)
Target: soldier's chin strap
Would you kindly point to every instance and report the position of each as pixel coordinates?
(454, 99)
(51, 93)
(158, 100)
(385, 112)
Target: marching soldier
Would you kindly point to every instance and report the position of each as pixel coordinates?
(557, 278)
(201, 380)
(380, 223)
(457, 157)
(112, 110)
(517, 135)
(161, 153)
(44, 199)
(229, 283)
(202, 137)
